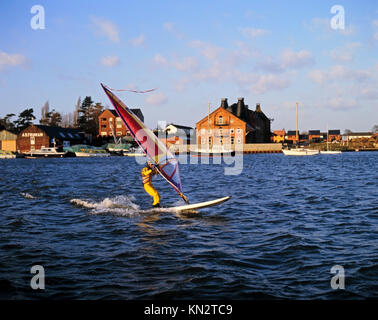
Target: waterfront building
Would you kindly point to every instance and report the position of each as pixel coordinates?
(109, 122)
(8, 141)
(36, 137)
(314, 136)
(176, 132)
(278, 136)
(292, 136)
(233, 125)
(356, 135)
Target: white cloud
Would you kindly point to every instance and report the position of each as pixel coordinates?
(106, 28)
(375, 23)
(138, 41)
(208, 50)
(369, 93)
(268, 82)
(110, 61)
(253, 32)
(159, 59)
(185, 64)
(341, 103)
(339, 73)
(8, 60)
(291, 59)
(170, 27)
(156, 98)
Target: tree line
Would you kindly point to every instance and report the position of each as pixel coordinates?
(84, 117)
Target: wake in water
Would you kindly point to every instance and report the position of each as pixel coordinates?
(119, 205)
(27, 195)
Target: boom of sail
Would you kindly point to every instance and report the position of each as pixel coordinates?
(156, 151)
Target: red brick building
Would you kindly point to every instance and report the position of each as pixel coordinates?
(36, 137)
(109, 121)
(232, 125)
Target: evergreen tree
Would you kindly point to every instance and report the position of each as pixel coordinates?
(25, 119)
(6, 124)
(84, 114)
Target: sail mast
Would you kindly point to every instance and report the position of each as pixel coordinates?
(296, 126)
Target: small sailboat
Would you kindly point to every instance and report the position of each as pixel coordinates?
(299, 151)
(329, 151)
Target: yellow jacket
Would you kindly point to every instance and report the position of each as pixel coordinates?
(147, 174)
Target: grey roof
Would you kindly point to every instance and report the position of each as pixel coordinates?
(61, 133)
(138, 112)
(333, 131)
(314, 132)
(179, 126)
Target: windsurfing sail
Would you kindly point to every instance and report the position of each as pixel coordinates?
(166, 163)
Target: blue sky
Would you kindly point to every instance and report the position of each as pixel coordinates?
(196, 52)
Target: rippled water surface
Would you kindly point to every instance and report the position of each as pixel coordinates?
(88, 223)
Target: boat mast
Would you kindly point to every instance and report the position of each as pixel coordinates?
(296, 125)
(208, 128)
(327, 136)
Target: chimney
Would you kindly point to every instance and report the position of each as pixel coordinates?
(224, 103)
(240, 107)
(258, 108)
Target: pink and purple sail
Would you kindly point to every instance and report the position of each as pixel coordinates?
(151, 145)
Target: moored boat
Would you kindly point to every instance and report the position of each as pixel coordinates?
(45, 153)
(300, 152)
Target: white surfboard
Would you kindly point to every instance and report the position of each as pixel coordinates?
(199, 205)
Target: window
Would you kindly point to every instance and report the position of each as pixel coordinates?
(220, 131)
(220, 120)
(238, 130)
(103, 133)
(103, 126)
(209, 140)
(232, 140)
(119, 133)
(119, 125)
(103, 119)
(239, 140)
(232, 130)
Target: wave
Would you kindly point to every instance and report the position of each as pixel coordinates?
(119, 205)
(27, 195)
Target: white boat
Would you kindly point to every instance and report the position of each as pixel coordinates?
(329, 151)
(300, 152)
(45, 153)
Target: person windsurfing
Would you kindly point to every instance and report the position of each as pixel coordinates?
(147, 173)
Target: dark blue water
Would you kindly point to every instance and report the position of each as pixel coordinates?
(290, 220)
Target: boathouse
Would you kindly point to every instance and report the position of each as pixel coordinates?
(36, 137)
(8, 140)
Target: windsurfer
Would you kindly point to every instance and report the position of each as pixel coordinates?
(147, 173)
